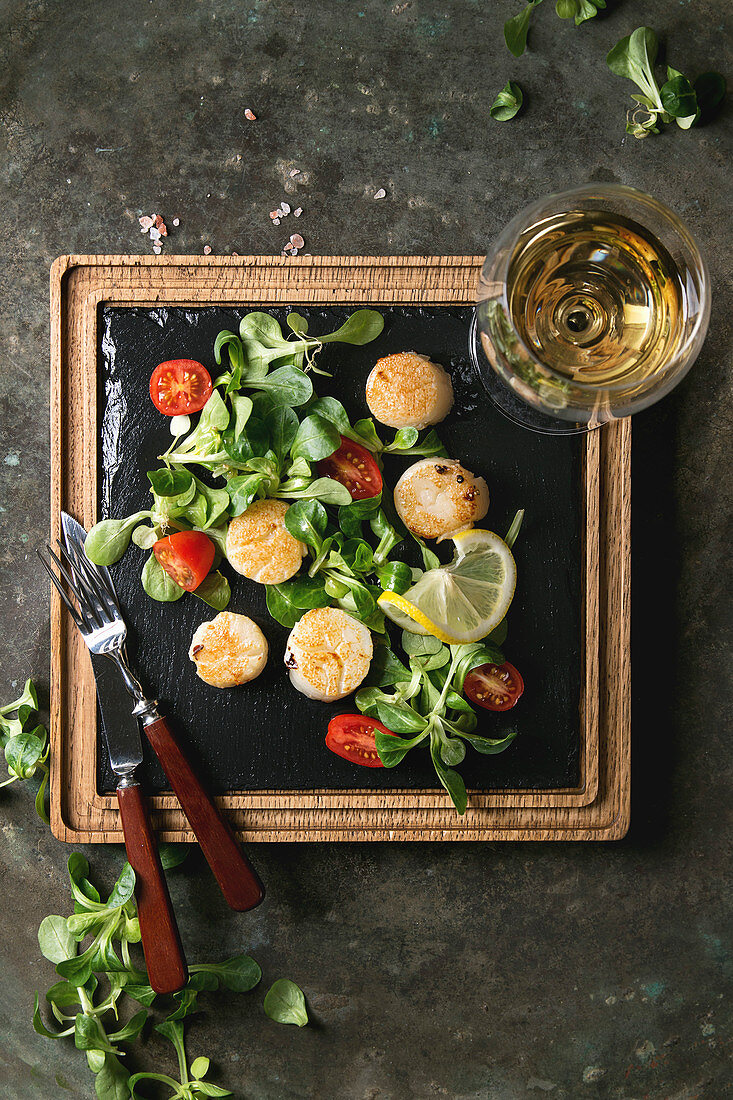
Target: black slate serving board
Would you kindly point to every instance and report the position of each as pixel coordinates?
(265, 734)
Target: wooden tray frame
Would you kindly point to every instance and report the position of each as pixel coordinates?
(598, 809)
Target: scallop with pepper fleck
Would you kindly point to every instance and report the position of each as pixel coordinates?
(439, 497)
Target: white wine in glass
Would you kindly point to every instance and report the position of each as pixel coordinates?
(592, 304)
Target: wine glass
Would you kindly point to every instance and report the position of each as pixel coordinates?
(592, 304)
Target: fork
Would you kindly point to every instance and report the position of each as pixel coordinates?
(104, 631)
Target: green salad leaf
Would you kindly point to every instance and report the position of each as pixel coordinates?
(507, 103)
(284, 1002)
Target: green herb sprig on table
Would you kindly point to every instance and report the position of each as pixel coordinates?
(97, 984)
(507, 103)
(24, 741)
(517, 28)
(676, 100)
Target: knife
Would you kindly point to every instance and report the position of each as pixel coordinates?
(164, 957)
(237, 879)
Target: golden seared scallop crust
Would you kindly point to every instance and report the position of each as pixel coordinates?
(259, 545)
(438, 497)
(229, 650)
(407, 390)
(328, 654)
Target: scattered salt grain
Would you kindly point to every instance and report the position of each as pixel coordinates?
(154, 233)
(145, 223)
(298, 212)
(157, 249)
(207, 250)
(176, 221)
(380, 194)
(276, 221)
(161, 226)
(297, 241)
(285, 208)
(273, 215)
(250, 115)
(294, 172)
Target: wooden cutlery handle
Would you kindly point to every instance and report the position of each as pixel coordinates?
(237, 878)
(164, 956)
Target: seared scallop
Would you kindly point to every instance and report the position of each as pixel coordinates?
(407, 390)
(229, 650)
(328, 654)
(259, 545)
(438, 497)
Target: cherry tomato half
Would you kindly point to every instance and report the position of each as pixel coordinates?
(352, 736)
(180, 386)
(186, 556)
(355, 467)
(494, 687)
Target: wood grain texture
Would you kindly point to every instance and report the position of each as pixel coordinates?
(164, 958)
(597, 809)
(237, 880)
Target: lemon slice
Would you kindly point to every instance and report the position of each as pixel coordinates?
(461, 602)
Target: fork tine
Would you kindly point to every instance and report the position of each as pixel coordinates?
(60, 589)
(94, 606)
(96, 576)
(85, 611)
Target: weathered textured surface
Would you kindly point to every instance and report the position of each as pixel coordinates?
(493, 972)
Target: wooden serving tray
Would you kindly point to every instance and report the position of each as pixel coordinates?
(596, 809)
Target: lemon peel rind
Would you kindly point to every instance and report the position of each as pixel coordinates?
(391, 601)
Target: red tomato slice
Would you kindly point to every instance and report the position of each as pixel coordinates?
(180, 386)
(494, 687)
(186, 556)
(352, 736)
(355, 467)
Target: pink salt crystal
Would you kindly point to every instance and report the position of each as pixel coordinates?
(250, 115)
(207, 250)
(380, 194)
(176, 221)
(145, 223)
(275, 221)
(161, 226)
(298, 212)
(285, 207)
(297, 241)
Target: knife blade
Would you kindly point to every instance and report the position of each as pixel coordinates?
(119, 727)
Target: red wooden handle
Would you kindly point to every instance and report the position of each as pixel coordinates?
(164, 956)
(237, 878)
